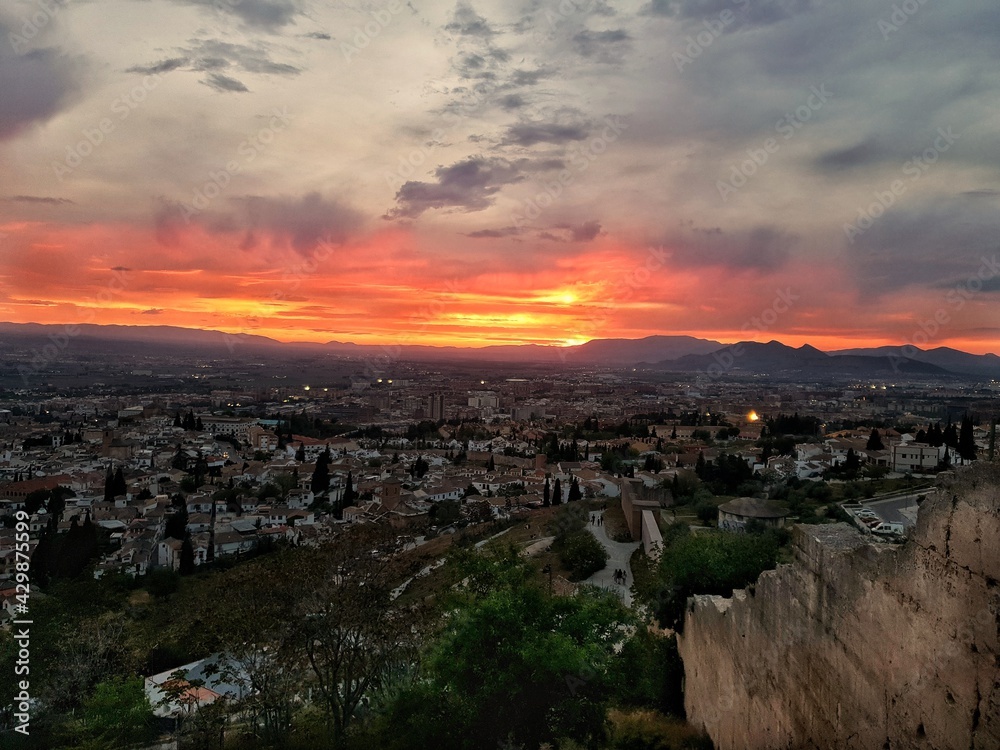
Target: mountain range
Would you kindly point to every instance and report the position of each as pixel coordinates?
(660, 353)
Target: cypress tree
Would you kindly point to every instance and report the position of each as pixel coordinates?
(966, 440)
(119, 486)
(186, 566)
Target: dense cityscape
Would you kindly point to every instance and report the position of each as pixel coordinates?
(173, 474)
(491, 375)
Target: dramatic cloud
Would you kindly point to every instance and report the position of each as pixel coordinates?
(212, 56)
(298, 223)
(603, 46)
(837, 148)
(467, 22)
(37, 199)
(36, 83)
(480, 234)
(266, 15)
(760, 249)
(223, 83)
(530, 133)
(467, 186)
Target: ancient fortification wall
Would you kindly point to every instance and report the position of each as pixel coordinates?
(857, 644)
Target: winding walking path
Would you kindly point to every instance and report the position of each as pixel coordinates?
(619, 554)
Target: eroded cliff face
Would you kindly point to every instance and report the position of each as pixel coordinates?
(858, 644)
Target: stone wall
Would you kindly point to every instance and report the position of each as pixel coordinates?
(858, 644)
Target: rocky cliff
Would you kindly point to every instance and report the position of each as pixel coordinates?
(858, 644)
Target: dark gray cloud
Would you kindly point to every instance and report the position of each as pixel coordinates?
(468, 185)
(484, 64)
(318, 35)
(210, 54)
(530, 133)
(214, 56)
(301, 223)
(530, 77)
(224, 84)
(495, 233)
(466, 22)
(511, 101)
(164, 66)
(265, 15)
(759, 249)
(38, 199)
(585, 232)
(603, 46)
(35, 83)
(859, 155)
(755, 12)
(931, 242)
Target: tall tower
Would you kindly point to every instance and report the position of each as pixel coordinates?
(435, 406)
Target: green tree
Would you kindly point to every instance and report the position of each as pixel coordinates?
(518, 666)
(710, 563)
(118, 714)
(580, 553)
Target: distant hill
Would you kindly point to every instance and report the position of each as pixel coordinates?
(600, 351)
(950, 359)
(633, 351)
(669, 353)
(777, 359)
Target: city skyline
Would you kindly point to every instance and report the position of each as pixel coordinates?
(470, 174)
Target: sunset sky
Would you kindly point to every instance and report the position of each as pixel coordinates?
(505, 172)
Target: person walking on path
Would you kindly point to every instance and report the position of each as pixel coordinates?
(615, 576)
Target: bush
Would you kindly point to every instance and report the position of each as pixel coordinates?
(711, 563)
(581, 554)
(707, 513)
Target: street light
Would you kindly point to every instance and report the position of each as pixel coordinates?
(548, 569)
